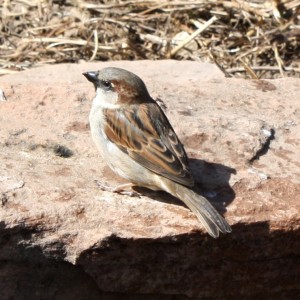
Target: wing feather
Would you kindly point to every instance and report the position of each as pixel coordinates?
(150, 141)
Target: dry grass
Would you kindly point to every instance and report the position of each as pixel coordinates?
(256, 39)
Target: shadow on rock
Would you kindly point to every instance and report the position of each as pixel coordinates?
(211, 181)
(246, 264)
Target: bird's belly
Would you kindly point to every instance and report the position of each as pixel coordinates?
(122, 164)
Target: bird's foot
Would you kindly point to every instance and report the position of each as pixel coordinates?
(120, 189)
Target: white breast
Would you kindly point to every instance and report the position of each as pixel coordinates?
(117, 160)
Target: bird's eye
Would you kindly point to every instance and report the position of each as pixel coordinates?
(107, 85)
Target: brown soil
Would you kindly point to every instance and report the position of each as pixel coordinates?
(256, 39)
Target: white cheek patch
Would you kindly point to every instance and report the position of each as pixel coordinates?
(105, 99)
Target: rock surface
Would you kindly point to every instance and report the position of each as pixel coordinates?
(63, 238)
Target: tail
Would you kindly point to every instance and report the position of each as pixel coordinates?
(206, 213)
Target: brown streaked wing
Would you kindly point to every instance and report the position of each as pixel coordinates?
(151, 142)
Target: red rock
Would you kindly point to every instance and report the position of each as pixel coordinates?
(243, 139)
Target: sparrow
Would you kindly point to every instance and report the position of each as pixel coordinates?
(137, 141)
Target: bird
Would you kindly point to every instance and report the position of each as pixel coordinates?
(137, 141)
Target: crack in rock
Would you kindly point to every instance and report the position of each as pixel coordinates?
(270, 135)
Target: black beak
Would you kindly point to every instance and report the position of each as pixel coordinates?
(91, 76)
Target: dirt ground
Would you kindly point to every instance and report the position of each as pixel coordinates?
(252, 39)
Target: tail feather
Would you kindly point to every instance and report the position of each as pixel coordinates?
(206, 213)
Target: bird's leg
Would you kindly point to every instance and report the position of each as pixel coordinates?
(120, 189)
